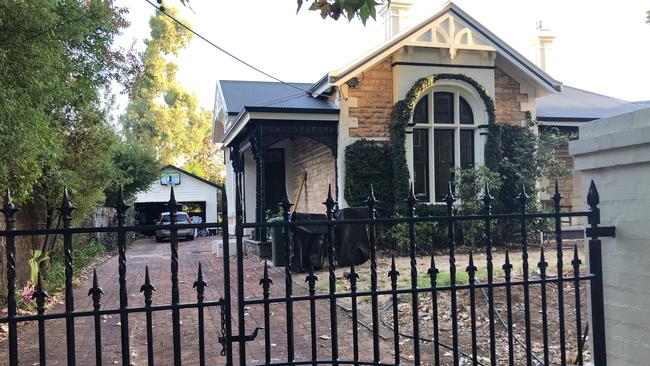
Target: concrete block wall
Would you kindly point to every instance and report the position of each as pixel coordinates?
(615, 154)
(318, 162)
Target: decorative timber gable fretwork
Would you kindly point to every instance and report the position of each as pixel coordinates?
(448, 32)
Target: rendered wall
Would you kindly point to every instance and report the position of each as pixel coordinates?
(615, 154)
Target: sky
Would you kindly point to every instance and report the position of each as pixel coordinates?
(600, 46)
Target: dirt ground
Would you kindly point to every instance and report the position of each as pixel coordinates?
(425, 308)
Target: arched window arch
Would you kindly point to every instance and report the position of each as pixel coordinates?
(445, 132)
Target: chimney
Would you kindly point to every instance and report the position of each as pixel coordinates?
(542, 44)
(395, 14)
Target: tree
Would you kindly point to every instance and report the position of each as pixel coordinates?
(56, 58)
(162, 114)
(135, 169)
(362, 9)
(648, 17)
(55, 129)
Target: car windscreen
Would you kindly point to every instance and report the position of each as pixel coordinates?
(181, 218)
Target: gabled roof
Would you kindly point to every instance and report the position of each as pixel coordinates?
(488, 41)
(578, 105)
(268, 96)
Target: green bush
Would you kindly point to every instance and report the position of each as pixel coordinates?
(470, 185)
(368, 163)
(428, 235)
(521, 157)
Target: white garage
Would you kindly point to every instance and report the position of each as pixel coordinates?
(195, 195)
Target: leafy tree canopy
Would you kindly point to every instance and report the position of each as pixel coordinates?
(162, 114)
(361, 9)
(58, 62)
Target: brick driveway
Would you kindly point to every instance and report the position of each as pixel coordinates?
(156, 256)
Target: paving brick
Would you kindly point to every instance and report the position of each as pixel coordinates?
(156, 256)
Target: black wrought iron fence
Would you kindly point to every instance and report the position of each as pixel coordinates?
(124, 310)
(477, 341)
(433, 348)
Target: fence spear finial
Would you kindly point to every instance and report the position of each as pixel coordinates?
(9, 208)
(556, 195)
(371, 200)
(522, 197)
(593, 198)
(507, 266)
(433, 271)
(393, 273)
(542, 261)
(121, 204)
(95, 291)
(411, 200)
(329, 201)
(66, 206)
(199, 283)
(487, 196)
(148, 287)
(172, 201)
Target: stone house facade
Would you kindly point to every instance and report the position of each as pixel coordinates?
(312, 123)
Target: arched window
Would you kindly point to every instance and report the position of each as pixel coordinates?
(442, 140)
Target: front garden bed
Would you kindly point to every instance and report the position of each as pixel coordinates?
(464, 308)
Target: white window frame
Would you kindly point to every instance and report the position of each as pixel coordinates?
(480, 118)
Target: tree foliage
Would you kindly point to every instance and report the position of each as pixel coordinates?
(350, 9)
(165, 116)
(58, 61)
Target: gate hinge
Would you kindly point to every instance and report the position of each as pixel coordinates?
(601, 232)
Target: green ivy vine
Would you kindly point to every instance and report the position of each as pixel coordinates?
(401, 115)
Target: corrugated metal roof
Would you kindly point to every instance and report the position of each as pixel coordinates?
(574, 103)
(239, 94)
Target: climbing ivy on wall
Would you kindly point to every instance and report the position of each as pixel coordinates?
(401, 116)
(368, 162)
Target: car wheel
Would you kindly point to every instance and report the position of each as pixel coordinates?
(190, 238)
(158, 239)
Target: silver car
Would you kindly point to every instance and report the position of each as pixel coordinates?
(181, 218)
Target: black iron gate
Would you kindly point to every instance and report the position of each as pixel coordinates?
(465, 341)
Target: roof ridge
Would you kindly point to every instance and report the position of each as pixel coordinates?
(265, 81)
(598, 94)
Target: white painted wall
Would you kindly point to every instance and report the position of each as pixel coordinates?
(190, 190)
(615, 153)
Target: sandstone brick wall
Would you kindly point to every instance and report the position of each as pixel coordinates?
(508, 99)
(318, 161)
(565, 184)
(374, 101)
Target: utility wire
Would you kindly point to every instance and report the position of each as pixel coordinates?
(226, 51)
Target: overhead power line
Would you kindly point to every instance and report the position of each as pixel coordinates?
(162, 10)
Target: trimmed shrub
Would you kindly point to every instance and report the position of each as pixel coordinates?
(368, 163)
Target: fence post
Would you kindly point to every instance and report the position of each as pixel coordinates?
(66, 211)
(121, 208)
(599, 350)
(9, 210)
